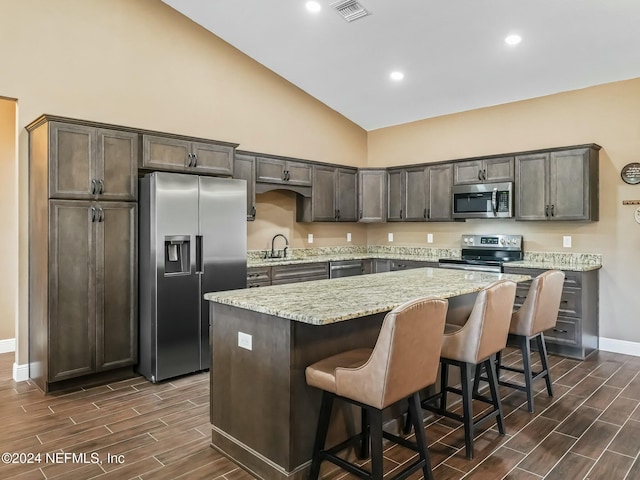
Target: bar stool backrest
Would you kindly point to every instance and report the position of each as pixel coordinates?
(405, 358)
(539, 312)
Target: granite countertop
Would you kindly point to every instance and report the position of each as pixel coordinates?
(579, 262)
(323, 302)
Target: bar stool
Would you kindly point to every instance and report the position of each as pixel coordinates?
(475, 344)
(403, 361)
(538, 313)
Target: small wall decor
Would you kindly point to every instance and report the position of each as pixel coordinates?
(630, 173)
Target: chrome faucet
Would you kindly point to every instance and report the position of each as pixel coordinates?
(284, 252)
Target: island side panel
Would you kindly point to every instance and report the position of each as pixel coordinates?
(250, 388)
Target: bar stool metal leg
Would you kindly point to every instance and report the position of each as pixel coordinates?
(364, 434)
(542, 348)
(414, 413)
(321, 433)
(490, 366)
(467, 408)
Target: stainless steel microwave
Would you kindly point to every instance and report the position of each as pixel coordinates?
(483, 200)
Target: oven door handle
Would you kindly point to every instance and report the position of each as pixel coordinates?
(470, 268)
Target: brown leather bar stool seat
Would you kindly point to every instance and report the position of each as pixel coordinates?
(475, 344)
(538, 313)
(403, 361)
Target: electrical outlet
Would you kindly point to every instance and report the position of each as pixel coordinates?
(245, 341)
(348, 237)
(429, 237)
(310, 238)
(390, 237)
(566, 241)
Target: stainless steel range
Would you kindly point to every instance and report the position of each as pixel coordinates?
(485, 253)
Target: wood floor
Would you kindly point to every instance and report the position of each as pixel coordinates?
(590, 429)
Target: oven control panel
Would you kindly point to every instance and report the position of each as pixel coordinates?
(494, 242)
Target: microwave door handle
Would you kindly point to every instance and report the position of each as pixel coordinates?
(494, 201)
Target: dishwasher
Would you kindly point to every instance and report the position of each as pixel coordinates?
(345, 268)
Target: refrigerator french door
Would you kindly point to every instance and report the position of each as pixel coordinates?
(192, 241)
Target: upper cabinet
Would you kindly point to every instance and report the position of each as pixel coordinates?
(557, 185)
(244, 168)
(419, 194)
(484, 170)
(333, 196)
(187, 155)
(372, 195)
(283, 171)
(86, 162)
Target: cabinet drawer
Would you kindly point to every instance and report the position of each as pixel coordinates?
(408, 264)
(566, 332)
(299, 273)
(258, 276)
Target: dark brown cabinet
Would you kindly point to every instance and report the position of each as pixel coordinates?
(82, 252)
(419, 194)
(92, 309)
(283, 274)
(258, 277)
(244, 168)
(187, 155)
(499, 169)
(283, 171)
(372, 195)
(92, 163)
(577, 329)
(333, 196)
(557, 185)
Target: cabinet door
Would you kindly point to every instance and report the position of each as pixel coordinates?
(569, 185)
(165, 153)
(72, 289)
(394, 195)
(117, 282)
(323, 195)
(415, 194)
(244, 168)
(347, 197)
(467, 172)
(306, 272)
(298, 173)
(72, 166)
(371, 196)
(498, 170)
(439, 184)
(117, 165)
(211, 158)
(270, 170)
(531, 195)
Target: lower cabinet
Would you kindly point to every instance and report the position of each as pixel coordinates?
(282, 274)
(83, 292)
(576, 331)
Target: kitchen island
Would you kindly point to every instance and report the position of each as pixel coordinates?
(263, 413)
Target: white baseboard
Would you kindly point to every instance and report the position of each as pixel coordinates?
(8, 345)
(619, 346)
(20, 372)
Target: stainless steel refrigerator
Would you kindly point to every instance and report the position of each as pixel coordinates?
(192, 240)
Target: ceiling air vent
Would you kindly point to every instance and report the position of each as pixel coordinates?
(349, 9)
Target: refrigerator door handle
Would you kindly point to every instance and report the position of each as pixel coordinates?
(199, 264)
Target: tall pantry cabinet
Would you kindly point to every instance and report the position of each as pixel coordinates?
(82, 251)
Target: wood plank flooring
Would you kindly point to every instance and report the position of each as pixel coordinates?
(590, 429)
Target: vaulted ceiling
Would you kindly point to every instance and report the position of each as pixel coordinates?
(452, 52)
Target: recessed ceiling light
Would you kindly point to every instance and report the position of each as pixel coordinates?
(513, 39)
(397, 76)
(313, 7)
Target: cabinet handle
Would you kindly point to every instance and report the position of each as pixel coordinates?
(288, 175)
(546, 210)
(479, 174)
(400, 213)
(93, 214)
(195, 159)
(552, 208)
(253, 211)
(559, 330)
(93, 186)
(189, 157)
(425, 214)
(484, 174)
(360, 214)
(338, 214)
(101, 183)
(100, 214)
